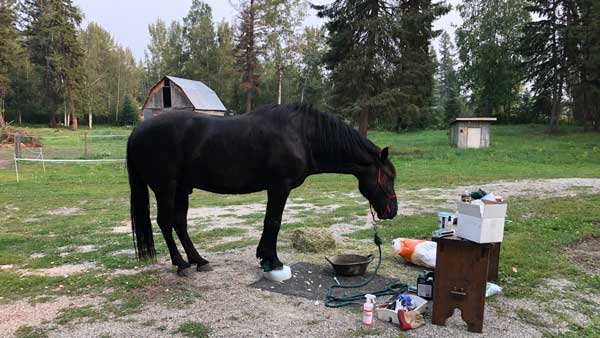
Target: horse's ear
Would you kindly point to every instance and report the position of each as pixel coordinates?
(384, 154)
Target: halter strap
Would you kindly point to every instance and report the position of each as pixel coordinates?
(390, 197)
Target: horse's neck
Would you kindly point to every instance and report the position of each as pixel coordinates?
(344, 161)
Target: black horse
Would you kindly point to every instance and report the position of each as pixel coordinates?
(273, 148)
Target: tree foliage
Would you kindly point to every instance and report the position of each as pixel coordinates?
(51, 28)
(488, 42)
(449, 85)
(380, 59)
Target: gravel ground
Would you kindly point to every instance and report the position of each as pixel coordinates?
(231, 307)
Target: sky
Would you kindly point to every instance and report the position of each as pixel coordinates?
(127, 20)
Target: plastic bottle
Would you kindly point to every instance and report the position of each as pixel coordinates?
(368, 308)
(466, 196)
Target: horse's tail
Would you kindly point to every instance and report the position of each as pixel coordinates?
(140, 211)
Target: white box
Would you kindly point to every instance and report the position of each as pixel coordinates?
(481, 228)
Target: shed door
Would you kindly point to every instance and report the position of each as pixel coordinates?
(473, 137)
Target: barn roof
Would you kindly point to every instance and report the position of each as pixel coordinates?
(474, 119)
(201, 96)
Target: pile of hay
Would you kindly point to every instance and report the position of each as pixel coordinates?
(7, 137)
(312, 240)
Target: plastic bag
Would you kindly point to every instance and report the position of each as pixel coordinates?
(416, 251)
(492, 289)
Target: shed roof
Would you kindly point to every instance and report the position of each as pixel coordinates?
(199, 94)
(474, 119)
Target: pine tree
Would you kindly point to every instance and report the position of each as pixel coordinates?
(129, 113)
(51, 36)
(584, 79)
(488, 42)
(416, 62)
(449, 85)
(200, 44)
(544, 48)
(248, 47)
(225, 73)
(362, 39)
(8, 51)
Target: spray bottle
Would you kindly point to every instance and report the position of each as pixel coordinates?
(368, 308)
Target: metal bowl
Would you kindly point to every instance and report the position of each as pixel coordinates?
(350, 265)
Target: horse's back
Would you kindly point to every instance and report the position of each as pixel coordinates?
(238, 154)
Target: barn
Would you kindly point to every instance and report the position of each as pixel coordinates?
(471, 132)
(173, 93)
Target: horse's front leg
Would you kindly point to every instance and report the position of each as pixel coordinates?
(267, 247)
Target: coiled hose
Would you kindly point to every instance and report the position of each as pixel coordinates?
(340, 301)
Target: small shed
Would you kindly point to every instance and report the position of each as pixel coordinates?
(471, 132)
(173, 93)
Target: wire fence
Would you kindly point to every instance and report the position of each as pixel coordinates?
(72, 149)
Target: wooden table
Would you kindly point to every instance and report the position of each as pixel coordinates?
(461, 272)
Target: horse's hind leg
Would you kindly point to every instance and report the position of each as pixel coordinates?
(166, 216)
(181, 209)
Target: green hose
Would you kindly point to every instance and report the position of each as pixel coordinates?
(340, 301)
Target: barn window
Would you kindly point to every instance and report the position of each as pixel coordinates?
(166, 97)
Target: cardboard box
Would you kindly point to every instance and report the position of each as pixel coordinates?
(481, 228)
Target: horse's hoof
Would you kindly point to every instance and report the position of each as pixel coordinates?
(204, 267)
(185, 272)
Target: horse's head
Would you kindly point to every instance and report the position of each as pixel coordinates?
(376, 183)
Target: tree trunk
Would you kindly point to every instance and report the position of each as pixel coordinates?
(118, 92)
(280, 76)
(363, 123)
(2, 122)
(74, 124)
(250, 61)
(53, 120)
(555, 115)
(249, 100)
(72, 115)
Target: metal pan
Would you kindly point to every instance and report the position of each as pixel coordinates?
(350, 265)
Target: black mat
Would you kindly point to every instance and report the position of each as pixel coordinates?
(311, 281)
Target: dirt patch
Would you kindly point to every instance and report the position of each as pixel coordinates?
(15, 315)
(230, 215)
(65, 211)
(123, 228)
(79, 249)
(61, 270)
(123, 252)
(586, 255)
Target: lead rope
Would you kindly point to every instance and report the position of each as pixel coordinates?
(345, 300)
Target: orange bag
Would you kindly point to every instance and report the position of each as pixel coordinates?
(416, 251)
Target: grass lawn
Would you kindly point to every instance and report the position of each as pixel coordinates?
(36, 229)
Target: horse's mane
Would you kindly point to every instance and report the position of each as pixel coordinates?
(328, 135)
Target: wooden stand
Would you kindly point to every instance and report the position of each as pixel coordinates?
(461, 272)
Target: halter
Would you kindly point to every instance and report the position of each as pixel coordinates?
(390, 197)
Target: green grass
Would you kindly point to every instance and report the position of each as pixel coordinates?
(30, 332)
(72, 314)
(365, 332)
(194, 330)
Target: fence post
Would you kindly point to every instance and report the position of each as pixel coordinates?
(85, 148)
(18, 146)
